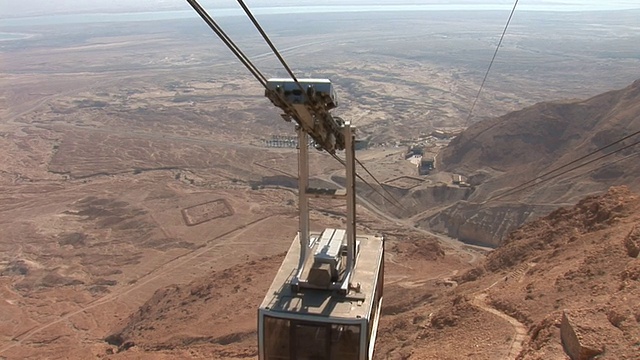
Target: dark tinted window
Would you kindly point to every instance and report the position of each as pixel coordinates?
(276, 338)
(285, 339)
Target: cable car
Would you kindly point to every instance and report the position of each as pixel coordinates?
(315, 322)
(324, 302)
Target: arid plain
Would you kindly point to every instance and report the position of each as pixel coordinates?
(132, 154)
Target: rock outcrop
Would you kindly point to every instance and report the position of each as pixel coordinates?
(580, 340)
(523, 145)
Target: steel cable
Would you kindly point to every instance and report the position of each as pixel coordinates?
(367, 183)
(253, 69)
(381, 186)
(230, 44)
(560, 174)
(271, 45)
(515, 189)
(492, 60)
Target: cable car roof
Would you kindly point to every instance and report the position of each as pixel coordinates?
(325, 303)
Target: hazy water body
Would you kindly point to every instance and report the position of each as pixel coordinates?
(183, 14)
(13, 36)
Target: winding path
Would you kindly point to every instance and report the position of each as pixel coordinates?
(480, 301)
(520, 330)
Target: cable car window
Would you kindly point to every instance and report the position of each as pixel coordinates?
(276, 338)
(376, 299)
(311, 341)
(345, 342)
(285, 339)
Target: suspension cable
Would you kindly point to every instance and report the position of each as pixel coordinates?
(230, 44)
(380, 184)
(395, 202)
(262, 79)
(398, 205)
(607, 165)
(271, 45)
(295, 79)
(560, 174)
(515, 189)
(492, 60)
(237, 52)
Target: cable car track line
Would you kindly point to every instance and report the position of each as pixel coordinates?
(516, 189)
(295, 79)
(394, 203)
(271, 45)
(562, 173)
(383, 188)
(236, 50)
(475, 101)
(262, 79)
(230, 44)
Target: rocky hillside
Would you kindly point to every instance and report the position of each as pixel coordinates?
(212, 317)
(564, 286)
(573, 278)
(501, 153)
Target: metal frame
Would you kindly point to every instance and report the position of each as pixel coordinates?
(308, 102)
(304, 193)
(374, 332)
(309, 109)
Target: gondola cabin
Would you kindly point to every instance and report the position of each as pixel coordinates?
(324, 303)
(317, 320)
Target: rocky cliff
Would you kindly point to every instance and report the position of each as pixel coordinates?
(502, 153)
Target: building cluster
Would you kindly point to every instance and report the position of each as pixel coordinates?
(425, 162)
(426, 166)
(460, 181)
(282, 141)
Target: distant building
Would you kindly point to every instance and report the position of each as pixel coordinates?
(415, 160)
(361, 144)
(283, 141)
(460, 181)
(439, 134)
(412, 151)
(426, 166)
(445, 134)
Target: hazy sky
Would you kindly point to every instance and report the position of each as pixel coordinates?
(13, 8)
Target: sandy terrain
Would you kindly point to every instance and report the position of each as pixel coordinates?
(134, 177)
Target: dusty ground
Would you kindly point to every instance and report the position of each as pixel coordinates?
(98, 217)
(133, 173)
(580, 262)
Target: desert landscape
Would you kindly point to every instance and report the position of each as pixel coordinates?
(145, 211)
